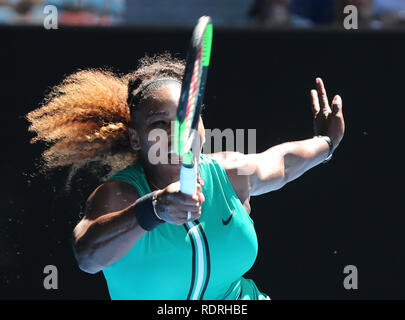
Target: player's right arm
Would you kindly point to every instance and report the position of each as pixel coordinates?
(110, 228)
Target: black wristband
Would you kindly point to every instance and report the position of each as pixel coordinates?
(145, 212)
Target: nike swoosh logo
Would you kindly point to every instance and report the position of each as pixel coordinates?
(225, 222)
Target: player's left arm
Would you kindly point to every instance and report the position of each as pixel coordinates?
(255, 174)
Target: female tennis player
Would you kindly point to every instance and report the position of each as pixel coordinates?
(134, 227)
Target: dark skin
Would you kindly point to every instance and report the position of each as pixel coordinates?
(110, 229)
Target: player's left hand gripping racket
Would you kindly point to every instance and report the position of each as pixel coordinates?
(186, 138)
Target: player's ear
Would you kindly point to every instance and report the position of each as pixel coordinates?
(134, 139)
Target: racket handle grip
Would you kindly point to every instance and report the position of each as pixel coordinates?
(188, 180)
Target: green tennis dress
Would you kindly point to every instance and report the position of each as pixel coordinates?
(200, 260)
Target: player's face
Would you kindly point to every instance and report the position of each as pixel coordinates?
(154, 120)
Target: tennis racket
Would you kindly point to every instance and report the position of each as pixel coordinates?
(185, 137)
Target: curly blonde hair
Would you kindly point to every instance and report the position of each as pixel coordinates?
(85, 119)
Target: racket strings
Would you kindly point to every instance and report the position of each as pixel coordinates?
(192, 101)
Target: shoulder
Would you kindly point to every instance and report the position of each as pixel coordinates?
(113, 195)
(237, 167)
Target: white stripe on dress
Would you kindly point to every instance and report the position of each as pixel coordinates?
(200, 260)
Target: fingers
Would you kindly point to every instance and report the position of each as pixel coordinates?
(337, 105)
(176, 205)
(178, 214)
(195, 209)
(183, 199)
(188, 199)
(191, 208)
(323, 97)
(193, 215)
(200, 180)
(192, 203)
(315, 102)
(181, 216)
(200, 194)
